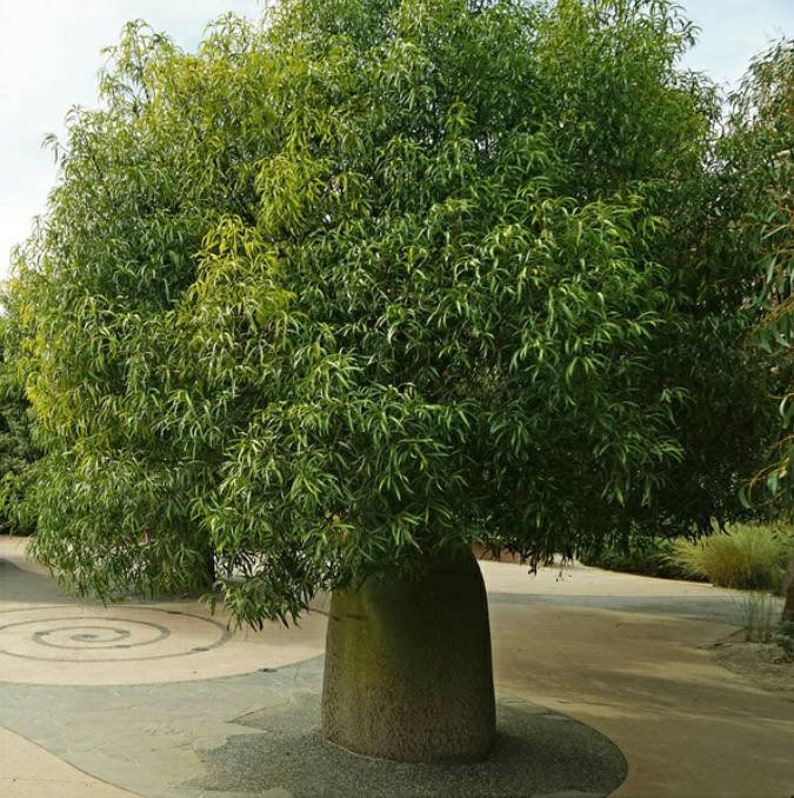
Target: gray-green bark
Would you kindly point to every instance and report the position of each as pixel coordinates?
(788, 606)
(408, 670)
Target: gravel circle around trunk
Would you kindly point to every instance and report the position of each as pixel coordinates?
(537, 753)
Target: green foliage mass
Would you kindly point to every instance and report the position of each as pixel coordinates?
(376, 279)
(758, 154)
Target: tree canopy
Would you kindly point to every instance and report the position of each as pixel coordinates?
(377, 279)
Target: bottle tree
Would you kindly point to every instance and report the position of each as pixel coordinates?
(328, 301)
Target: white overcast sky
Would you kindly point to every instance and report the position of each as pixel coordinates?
(50, 54)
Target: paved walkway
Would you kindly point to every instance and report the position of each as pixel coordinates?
(162, 700)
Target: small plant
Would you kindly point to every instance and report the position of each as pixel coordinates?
(746, 557)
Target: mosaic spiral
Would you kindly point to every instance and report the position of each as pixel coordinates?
(73, 634)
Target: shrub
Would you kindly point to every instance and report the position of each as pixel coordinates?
(646, 556)
(746, 557)
(19, 454)
(784, 637)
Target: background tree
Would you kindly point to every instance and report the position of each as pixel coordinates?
(19, 453)
(333, 299)
(759, 163)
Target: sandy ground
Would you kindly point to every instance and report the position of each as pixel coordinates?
(762, 663)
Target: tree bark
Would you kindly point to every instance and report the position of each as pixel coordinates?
(788, 606)
(210, 575)
(408, 673)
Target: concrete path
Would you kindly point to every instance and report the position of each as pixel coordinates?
(163, 700)
(27, 770)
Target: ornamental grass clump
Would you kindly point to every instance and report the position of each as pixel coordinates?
(746, 557)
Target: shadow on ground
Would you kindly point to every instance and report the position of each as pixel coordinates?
(29, 588)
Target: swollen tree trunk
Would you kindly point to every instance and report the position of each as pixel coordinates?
(408, 666)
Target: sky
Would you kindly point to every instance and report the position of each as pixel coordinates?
(50, 53)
